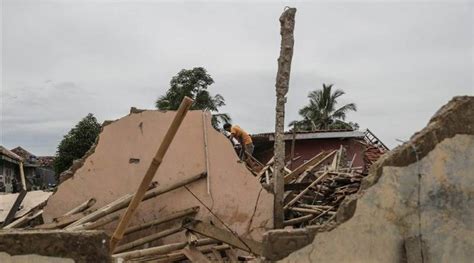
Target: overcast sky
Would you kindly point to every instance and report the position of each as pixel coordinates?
(399, 62)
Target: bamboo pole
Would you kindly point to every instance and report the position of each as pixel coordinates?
(287, 24)
(164, 249)
(305, 190)
(125, 200)
(164, 219)
(81, 207)
(150, 173)
(298, 220)
(25, 219)
(103, 221)
(147, 239)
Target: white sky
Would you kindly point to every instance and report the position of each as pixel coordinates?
(398, 61)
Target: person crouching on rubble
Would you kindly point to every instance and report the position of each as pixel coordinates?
(242, 136)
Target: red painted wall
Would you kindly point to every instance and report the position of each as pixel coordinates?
(309, 148)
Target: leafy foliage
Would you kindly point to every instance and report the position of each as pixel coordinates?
(194, 84)
(76, 143)
(321, 112)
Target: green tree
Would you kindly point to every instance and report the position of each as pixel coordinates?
(194, 84)
(322, 114)
(76, 143)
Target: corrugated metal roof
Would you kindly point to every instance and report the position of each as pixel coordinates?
(314, 135)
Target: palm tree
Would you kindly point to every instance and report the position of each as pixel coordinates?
(321, 112)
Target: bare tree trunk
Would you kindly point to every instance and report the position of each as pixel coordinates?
(287, 24)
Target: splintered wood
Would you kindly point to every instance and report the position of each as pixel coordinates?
(315, 189)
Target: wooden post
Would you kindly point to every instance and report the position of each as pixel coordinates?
(150, 173)
(287, 23)
(22, 176)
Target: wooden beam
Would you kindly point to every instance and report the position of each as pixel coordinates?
(81, 207)
(151, 171)
(225, 236)
(163, 219)
(160, 250)
(287, 26)
(148, 239)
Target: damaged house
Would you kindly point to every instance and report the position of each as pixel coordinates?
(9, 170)
(363, 147)
(39, 172)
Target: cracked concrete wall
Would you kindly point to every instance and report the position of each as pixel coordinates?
(123, 152)
(19, 246)
(389, 213)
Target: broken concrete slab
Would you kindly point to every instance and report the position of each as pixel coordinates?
(123, 152)
(423, 189)
(31, 200)
(56, 245)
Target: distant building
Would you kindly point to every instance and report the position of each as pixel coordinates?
(39, 172)
(363, 147)
(9, 171)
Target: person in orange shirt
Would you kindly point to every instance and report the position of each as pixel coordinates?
(242, 136)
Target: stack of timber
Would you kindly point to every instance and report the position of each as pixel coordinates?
(315, 190)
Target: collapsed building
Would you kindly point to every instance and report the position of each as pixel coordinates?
(205, 204)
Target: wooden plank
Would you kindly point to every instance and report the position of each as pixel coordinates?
(194, 255)
(148, 239)
(14, 208)
(225, 236)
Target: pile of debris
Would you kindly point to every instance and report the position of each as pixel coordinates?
(84, 217)
(22, 209)
(315, 189)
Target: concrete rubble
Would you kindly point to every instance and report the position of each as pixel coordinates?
(415, 205)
